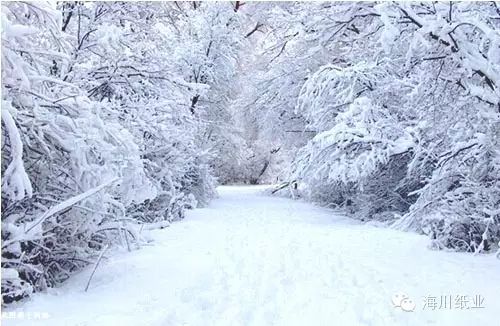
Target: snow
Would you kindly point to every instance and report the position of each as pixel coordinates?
(9, 273)
(68, 203)
(251, 259)
(15, 179)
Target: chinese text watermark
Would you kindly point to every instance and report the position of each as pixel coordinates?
(442, 302)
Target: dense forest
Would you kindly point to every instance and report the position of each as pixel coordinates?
(119, 116)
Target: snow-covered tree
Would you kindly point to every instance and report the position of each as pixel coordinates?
(63, 166)
(426, 76)
(98, 130)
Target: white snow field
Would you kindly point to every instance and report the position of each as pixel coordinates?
(251, 259)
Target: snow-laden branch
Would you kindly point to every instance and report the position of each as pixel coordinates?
(16, 183)
(68, 203)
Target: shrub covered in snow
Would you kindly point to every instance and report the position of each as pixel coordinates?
(402, 102)
(425, 144)
(108, 122)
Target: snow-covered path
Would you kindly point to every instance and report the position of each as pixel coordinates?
(249, 259)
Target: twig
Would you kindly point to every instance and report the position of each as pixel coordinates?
(95, 266)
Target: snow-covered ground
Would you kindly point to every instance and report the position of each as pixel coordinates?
(250, 259)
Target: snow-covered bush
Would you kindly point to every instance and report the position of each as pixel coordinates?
(98, 131)
(459, 205)
(458, 127)
(68, 174)
(362, 159)
(402, 100)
